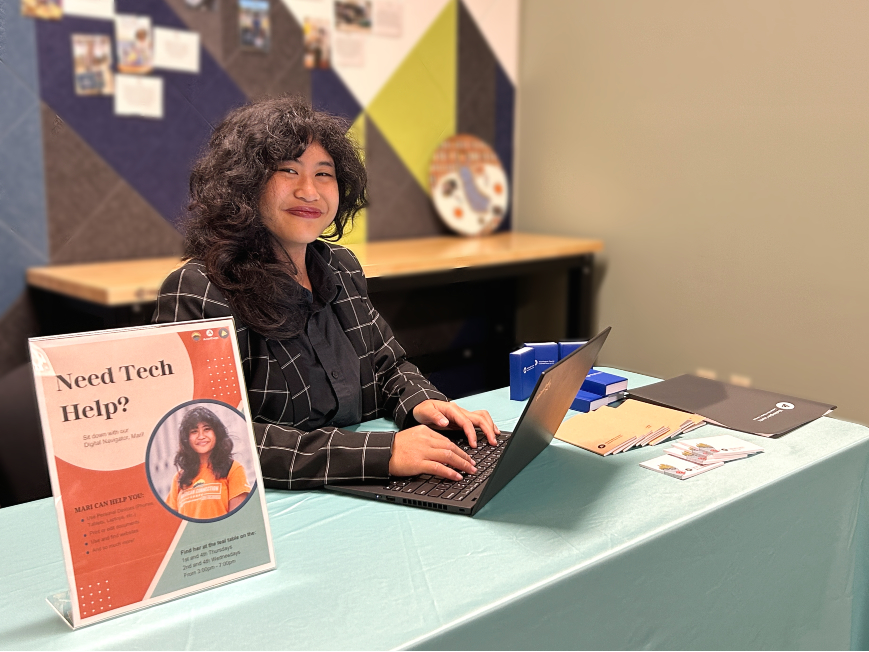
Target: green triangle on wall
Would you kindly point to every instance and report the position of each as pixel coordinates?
(416, 109)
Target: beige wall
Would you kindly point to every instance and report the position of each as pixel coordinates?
(721, 150)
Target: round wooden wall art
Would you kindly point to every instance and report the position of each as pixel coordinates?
(468, 185)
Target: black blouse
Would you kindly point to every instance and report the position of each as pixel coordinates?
(332, 364)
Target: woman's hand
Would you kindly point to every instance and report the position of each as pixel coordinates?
(441, 414)
(421, 450)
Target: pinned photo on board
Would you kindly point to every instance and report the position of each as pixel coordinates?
(135, 44)
(199, 461)
(201, 5)
(348, 50)
(353, 15)
(254, 25)
(43, 9)
(96, 9)
(92, 64)
(317, 43)
(388, 18)
(176, 49)
(139, 96)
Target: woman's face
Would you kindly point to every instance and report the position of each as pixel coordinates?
(301, 199)
(202, 438)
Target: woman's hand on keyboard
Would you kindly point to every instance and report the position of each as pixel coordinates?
(441, 414)
(421, 450)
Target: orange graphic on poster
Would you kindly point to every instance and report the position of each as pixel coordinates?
(118, 534)
(211, 355)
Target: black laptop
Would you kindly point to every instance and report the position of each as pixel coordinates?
(496, 465)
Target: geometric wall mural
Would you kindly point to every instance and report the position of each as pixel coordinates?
(80, 184)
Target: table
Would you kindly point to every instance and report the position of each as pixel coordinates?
(452, 301)
(576, 552)
(126, 282)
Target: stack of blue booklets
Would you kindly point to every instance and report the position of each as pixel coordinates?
(600, 388)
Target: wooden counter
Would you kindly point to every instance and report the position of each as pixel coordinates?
(136, 281)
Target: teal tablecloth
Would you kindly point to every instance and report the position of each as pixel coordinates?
(577, 552)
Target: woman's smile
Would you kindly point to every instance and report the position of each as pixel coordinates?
(305, 212)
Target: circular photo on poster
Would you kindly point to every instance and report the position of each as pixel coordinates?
(199, 461)
(468, 185)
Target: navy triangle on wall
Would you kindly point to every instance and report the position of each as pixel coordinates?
(330, 93)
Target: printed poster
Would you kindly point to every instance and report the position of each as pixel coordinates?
(153, 465)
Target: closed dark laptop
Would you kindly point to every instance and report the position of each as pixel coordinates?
(496, 465)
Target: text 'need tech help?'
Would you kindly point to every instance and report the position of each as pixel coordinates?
(103, 408)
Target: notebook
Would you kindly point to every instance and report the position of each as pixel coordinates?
(496, 465)
(746, 409)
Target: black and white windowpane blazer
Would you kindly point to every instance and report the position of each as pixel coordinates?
(291, 455)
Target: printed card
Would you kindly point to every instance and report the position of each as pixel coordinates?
(677, 468)
(153, 465)
(698, 455)
(727, 444)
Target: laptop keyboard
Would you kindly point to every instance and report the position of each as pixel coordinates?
(485, 457)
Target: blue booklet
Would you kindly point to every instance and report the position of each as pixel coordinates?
(603, 384)
(566, 348)
(586, 401)
(546, 354)
(523, 374)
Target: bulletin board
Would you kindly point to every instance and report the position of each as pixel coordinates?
(82, 181)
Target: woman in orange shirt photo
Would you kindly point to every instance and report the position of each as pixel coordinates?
(209, 483)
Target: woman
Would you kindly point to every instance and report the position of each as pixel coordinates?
(276, 182)
(209, 483)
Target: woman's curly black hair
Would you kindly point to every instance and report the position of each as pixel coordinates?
(187, 459)
(224, 228)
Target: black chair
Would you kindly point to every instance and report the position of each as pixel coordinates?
(23, 469)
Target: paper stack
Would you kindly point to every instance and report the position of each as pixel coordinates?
(688, 457)
(632, 424)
